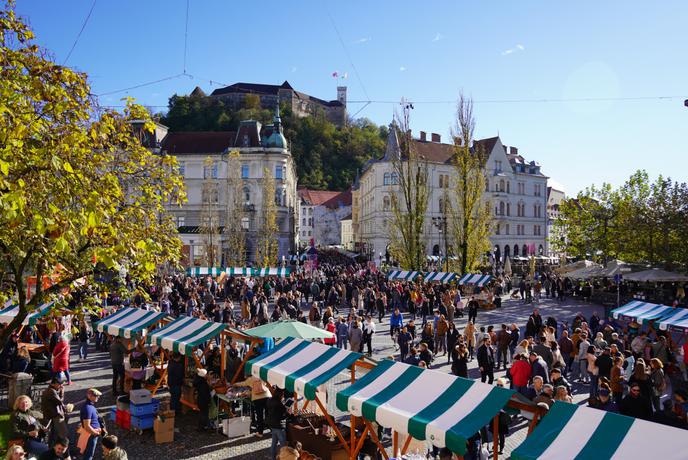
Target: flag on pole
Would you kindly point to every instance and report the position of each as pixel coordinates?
(335, 74)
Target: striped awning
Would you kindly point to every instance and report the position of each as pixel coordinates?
(641, 311)
(475, 278)
(8, 313)
(281, 272)
(426, 404)
(676, 320)
(203, 271)
(442, 277)
(300, 366)
(403, 275)
(129, 322)
(239, 271)
(569, 432)
(184, 334)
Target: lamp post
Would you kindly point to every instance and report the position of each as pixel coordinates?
(441, 224)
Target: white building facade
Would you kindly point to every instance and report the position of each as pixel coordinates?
(516, 190)
(321, 214)
(554, 200)
(207, 187)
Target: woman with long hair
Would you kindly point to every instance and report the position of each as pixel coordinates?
(469, 333)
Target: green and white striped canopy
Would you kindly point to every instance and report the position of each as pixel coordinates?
(239, 271)
(300, 366)
(641, 311)
(129, 322)
(475, 278)
(8, 313)
(571, 432)
(677, 320)
(403, 275)
(426, 404)
(442, 277)
(203, 271)
(185, 333)
(281, 272)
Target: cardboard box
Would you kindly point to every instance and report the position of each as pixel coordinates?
(141, 396)
(236, 426)
(163, 424)
(162, 437)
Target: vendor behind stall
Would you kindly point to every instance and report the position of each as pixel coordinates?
(202, 388)
(259, 400)
(138, 360)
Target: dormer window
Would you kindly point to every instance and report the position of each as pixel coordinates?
(246, 142)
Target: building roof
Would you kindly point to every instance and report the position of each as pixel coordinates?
(252, 88)
(487, 144)
(190, 142)
(434, 152)
(325, 198)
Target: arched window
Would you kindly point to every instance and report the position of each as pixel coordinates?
(441, 206)
(507, 251)
(508, 208)
(247, 195)
(524, 250)
(515, 250)
(395, 179)
(501, 208)
(386, 179)
(541, 250)
(507, 191)
(487, 185)
(385, 203)
(501, 185)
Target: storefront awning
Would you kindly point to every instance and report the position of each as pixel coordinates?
(129, 322)
(676, 320)
(403, 275)
(204, 271)
(641, 311)
(477, 279)
(426, 404)
(7, 314)
(442, 277)
(300, 366)
(571, 432)
(185, 333)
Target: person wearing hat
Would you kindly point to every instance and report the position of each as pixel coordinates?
(55, 410)
(202, 388)
(91, 429)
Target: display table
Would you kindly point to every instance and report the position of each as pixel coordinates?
(321, 446)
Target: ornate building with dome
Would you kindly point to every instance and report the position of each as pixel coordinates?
(204, 161)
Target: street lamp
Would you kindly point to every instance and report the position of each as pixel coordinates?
(441, 224)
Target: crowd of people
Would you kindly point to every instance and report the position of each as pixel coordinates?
(621, 367)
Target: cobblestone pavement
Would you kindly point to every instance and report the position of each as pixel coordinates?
(191, 444)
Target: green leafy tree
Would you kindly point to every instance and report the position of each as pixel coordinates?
(76, 186)
(470, 215)
(235, 236)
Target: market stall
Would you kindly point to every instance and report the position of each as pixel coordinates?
(477, 279)
(676, 320)
(439, 277)
(239, 271)
(204, 271)
(403, 275)
(570, 432)
(301, 367)
(642, 312)
(129, 322)
(279, 272)
(289, 328)
(425, 404)
(44, 317)
(8, 313)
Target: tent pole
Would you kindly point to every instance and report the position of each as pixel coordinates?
(531, 427)
(495, 436)
(359, 445)
(352, 420)
(376, 440)
(406, 444)
(223, 353)
(395, 443)
(296, 403)
(333, 425)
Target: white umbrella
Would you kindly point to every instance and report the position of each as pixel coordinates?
(507, 266)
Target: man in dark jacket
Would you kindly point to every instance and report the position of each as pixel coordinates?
(503, 341)
(53, 408)
(635, 404)
(544, 351)
(604, 363)
(277, 421)
(175, 380)
(117, 353)
(486, 361)
(538, 367)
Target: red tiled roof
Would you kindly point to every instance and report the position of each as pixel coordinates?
(433, 151)
(318, 197)
(341, 199)
(198, 142)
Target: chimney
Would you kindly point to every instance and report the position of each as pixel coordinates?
(436, 137)
(423, 136)
(513, 150)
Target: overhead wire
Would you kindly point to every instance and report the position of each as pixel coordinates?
(346, 51)
(78, 36)
(186, 33)
(520, 101)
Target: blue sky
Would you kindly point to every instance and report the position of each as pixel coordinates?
(426, 52)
